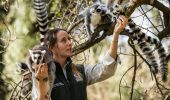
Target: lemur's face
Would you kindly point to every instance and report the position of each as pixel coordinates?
(37, 56)
(99, 9)
(117, 9)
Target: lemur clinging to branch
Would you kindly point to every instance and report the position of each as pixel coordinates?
(144, 41)
(96, 15)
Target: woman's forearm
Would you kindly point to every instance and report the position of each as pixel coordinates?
(43, 87)
(120, 25)
(114, 45)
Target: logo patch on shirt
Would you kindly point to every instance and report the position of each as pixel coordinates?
(58, 84)
(78, 78)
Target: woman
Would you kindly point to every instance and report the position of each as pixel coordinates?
(71, 80)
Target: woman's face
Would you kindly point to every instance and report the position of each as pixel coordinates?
(63, 45)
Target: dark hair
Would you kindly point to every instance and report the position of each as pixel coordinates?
(50, 37)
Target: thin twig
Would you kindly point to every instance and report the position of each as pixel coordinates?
(74, 25)
(14, 90)
(3, 20)
(163, 86)
(143, 13)
(161, 19)
(121, 80)
(149, 19)
(134, 73)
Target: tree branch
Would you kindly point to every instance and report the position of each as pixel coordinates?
(96, 38)
(164, 33)
(160, 6)
(166, 20)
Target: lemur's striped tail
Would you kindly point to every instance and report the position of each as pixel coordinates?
(149, 56)
(163, 62)
(143, 41)
(42, 18)
(140, 37)
(168, 57)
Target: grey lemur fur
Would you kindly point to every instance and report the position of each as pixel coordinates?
(96, 15)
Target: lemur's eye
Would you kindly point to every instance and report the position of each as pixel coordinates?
(98, 10)
(39, 57)
(116, 6)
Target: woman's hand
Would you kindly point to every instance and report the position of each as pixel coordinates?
(41, 74)
(120, 24)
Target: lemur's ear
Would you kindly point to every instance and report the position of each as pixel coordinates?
(125, 8)
(43, 51)
(109, 4)
(30, 51)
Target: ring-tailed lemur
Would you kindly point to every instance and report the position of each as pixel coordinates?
(143, 41)
(39, 55)
(42, 18)
(96, 15)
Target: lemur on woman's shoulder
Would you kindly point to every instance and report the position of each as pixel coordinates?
(39, 55)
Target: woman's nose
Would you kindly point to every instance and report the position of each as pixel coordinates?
(69, 43)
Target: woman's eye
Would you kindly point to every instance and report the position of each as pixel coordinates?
(63, 40)
(69, 38)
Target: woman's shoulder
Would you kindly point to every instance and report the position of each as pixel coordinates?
(79, 65)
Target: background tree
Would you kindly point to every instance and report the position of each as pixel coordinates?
(4, 11)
